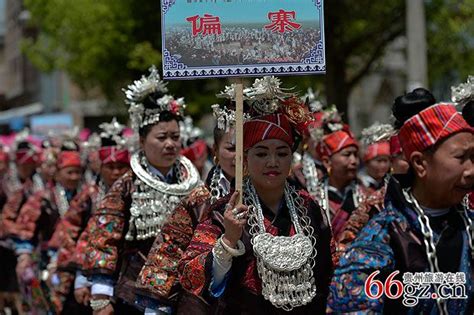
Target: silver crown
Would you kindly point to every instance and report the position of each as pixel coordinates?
(376, 133)
(265, 95)
(464, 92)
(315, 104)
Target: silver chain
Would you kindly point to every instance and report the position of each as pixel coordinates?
(214, 186)
(310, 174)
(61, 199)
(428, 240)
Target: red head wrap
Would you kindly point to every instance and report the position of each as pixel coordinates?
(377, 149)
(274, 126)
(395, 148)
(69, 158)
(111, 154)
(430, 126)
(27, 156)
(335, 142)
(195, 150)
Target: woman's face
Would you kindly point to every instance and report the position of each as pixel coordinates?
(449, 172)
(110, 172)
(378, 167)
(225, 152)
(268, 163)
(69, 177)
(25, 170)
(162, 144)
(343, 164)
(47, 170)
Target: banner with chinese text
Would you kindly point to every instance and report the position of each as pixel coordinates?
(222, 38)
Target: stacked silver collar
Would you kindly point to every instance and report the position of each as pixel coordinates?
(284, 263)
(153, 200)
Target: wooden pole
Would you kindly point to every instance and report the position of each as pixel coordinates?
(239, 136)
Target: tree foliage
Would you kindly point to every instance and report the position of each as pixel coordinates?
(108, 43)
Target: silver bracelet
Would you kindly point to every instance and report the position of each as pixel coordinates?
(225, 252)
(99, 304)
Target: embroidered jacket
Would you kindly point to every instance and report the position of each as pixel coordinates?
(68, 238)
(392, 240)
(109, 254)
(242, 287)
(159, 277)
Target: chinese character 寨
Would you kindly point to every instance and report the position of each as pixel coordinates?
(207, 25)
(282, 21)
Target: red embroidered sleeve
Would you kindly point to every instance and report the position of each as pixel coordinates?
(106, 228)
(159, 275)
(26, 223)
(71, 225)
(192, 266)
(11, 209)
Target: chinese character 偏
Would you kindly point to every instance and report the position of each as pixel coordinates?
(281, 21)
(207, 25)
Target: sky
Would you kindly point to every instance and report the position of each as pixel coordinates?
(232, 12)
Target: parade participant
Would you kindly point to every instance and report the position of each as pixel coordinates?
(262, 256)
(36, 222)
(177, 233)
(194, 147)
(68, 240)
(340, 192)
(376, 156)
(425, 227)
(307, 168)
(19, 186)
(136, 207)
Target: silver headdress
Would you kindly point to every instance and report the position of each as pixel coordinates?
(315, 105)
(188, 132)
(136, 93)
(226, 117)
(114, 130)
(265, 94)
(65, 138)
(330, 120)
(464, 92)
(377, 133)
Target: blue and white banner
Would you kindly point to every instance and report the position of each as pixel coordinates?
(223, 38)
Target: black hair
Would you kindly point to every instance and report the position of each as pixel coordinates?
(70, 145)
(24, 145)
(468, 113)
(107, 142)
(165, 116)
(410, 104)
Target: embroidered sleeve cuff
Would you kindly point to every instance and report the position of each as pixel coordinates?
(23, 247)
(102, 285)
(81, 281)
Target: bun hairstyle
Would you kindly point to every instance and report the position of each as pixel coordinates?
(410, 104)
(468, 113)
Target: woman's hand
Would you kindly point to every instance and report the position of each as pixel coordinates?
(235, 218)
(23, 263)
(82, 295)
(108, 310)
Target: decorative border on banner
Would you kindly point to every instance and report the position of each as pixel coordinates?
(314, 63)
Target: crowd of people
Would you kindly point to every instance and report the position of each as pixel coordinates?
(142, 222)
(237, 45)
